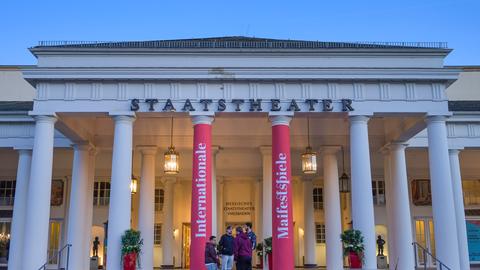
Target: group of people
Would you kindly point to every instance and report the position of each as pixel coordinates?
(230, 249)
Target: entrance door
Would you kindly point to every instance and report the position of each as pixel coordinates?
(424, 235)
(55, 233)
(186, 245)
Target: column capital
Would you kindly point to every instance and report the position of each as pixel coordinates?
(202, 119)
(44, 118)
(454, 151)
(330, 150)
(394, 146)
(280, 120)
(266, 150)
(435, 119)
(147, 149)
(82, 146)
(123, 117)
(359, 118)
(93, 151)
(23, 148)
(216, 149)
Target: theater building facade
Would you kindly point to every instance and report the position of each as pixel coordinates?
(180, 138)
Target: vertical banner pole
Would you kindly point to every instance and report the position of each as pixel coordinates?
(282, 206)
(201, 214)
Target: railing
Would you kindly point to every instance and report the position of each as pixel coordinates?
(416, 247)
(241, 44)
(58, 256)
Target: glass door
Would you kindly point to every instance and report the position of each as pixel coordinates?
(4, 240)
(54, 238)
(186, 245)
(425, 236)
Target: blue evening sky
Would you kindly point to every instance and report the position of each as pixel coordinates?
(24, 23)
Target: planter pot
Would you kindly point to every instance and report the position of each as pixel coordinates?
(270, 261)
(130, 261)
(354, 260)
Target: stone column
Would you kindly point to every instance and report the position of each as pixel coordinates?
(400, 209)
(282, 212)
(258, 209)
(388, 205)
(19, 209)
(220, 202)
(309, 220)
(77, 211)
(146, 218)
(39, 190)
(362, 198)
(120, 195)
(89, 207)
(332, 210)
(167, 226)
(443, 206)
(459, 208)
(215, 150)
(267, 197)
(201, 210)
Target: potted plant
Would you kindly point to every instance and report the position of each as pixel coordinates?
(259, 250)
(131, 246)
(353, 247)
(268, 251)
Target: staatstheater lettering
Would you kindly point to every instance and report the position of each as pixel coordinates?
(242, 105)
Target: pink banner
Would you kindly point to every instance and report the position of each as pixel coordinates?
(201, 215)
(282, 218)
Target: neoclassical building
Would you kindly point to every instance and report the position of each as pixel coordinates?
(181, 138)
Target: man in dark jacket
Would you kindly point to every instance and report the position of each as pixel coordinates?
(242, 250)
(211, 258)
(251, 235)
(225, 247)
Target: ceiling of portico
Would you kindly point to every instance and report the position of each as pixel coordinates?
(239, 136)
(229, 130)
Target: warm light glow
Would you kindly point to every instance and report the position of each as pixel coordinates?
(175, 233)
(309, 161)
(301, 232)
(172, 160)
(133, 185)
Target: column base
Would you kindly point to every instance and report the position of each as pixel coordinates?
(167, 266)
(310, 265)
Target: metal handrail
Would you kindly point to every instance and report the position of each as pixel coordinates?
(59, 256)
(425, 253)
(242, 44)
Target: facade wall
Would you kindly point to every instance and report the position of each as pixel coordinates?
(12, 85)
(467, 87)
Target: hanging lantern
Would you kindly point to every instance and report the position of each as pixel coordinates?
(172, 158)
(344, 180)
(309, 158)
(344, 183)
(171, 161)
(133, 185)
(309, 161)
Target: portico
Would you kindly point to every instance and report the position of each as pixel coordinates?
(115, 100)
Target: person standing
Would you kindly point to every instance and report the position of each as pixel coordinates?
(225, 248)
(251, 235)
(211, 258)
(242, 250)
